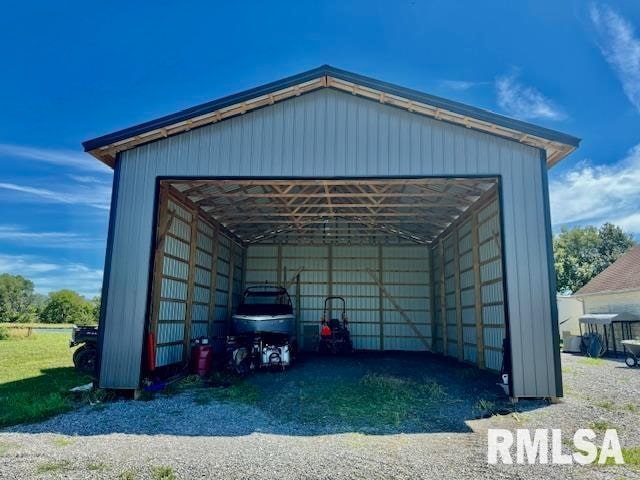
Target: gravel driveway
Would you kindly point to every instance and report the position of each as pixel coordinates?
(180, 436)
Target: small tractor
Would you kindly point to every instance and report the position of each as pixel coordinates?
(334, 332)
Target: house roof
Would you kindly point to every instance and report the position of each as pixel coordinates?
(556, 144)
(621, 275)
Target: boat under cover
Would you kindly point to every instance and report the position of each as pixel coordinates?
(265, 309)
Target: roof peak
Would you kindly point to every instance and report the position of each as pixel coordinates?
(556, 143)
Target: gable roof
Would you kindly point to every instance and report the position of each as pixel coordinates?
(621, 275)
(556, 144)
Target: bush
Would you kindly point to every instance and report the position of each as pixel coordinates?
(66, 306)
(4, 332)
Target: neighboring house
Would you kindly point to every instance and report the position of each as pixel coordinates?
(569, 312)
(616, 289)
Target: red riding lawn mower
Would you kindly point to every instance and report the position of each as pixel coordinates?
(334, 333)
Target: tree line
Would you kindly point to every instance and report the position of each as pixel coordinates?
(19, 303)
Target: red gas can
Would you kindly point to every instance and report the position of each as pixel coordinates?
(201, 358)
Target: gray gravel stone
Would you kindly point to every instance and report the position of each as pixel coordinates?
(234, 441)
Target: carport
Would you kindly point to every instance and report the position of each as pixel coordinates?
(430, 217)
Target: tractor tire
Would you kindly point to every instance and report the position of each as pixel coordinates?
(85, 358)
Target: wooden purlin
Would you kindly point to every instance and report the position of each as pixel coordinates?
(415, 210)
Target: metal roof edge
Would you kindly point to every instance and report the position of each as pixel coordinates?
(327, 70)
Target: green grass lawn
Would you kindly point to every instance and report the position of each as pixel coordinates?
(36, 373)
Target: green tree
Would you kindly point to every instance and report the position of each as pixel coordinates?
(16, 299)
(583, 252)
(95, 308)
(66, 306)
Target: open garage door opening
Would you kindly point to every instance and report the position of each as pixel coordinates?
(418, 261)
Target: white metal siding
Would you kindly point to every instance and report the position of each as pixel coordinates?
(354, 272)
(327, 134)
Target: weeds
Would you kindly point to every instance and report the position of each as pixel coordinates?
(54, 467)
(127, 475)
(607, 405)
(6, 446)
(601, 425)
(96, 467)
(62, 442)
(631, 407)
(485, 406)
(163, 473)
(241, 392)
(630, 455)
(374, 400)
(591, 361)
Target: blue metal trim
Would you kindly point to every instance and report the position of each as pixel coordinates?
(385, 87)
(151, 274)
(107, 262)
(505, 287)
(555, 327)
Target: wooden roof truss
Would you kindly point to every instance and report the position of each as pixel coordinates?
(372, 211)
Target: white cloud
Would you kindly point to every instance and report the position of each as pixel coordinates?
(66, 158)
(18, 234)
(525, 102)
(620, 47)
(94, 195)
(49, 276)
(460, 85)
(599, 193)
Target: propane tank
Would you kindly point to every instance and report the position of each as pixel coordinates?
(201, 357)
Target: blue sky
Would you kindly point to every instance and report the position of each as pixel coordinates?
(76, 70)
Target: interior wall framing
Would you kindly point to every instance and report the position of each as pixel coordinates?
(187, 302)
(387, 290)
(468, 286)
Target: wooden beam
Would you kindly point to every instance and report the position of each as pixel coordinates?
(296, 275)
(193, 243)
(477, 289)
(230, 281)
(214, 278)
(555, 150)
(456, 271)
(432, 299)
(332, 195)
(279, 277)
(373, 208)
(163, 225)
(402, 313)
(443, 298)
(381, 296)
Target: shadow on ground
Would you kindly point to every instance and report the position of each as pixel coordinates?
(38, 397)
(369, 393)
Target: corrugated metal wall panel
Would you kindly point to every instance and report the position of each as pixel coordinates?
(492, 290)
(405, 277)
(217, 150)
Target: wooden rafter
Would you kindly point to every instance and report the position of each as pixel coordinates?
(335, 210)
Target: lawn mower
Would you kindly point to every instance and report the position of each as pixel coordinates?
(334, 332)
